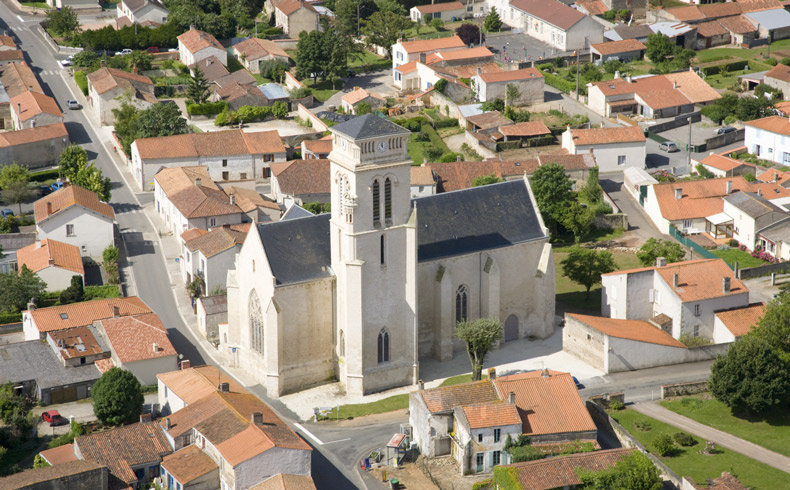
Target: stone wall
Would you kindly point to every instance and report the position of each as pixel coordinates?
(683, 389)
(611, 221)
(317, 123)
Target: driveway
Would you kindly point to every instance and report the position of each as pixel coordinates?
(81, 410)
(640, 227)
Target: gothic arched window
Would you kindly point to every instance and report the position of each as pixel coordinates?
(384, 346)
(387, 199)
(256, 323)
(376, 211)
(461, 304)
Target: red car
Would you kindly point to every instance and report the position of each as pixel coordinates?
(53, 417)
(153, 49)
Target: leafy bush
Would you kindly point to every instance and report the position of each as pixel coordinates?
(449, 157)
(272, 69)
(10, 318)
(664, 445)
(440, 85)
(771, 61)
(301, 93)
(684, 439)
(81, 79)
(643, 426)
(450, 122)
(729, 67)
(413, 124)
(616, 405)
(546, 67)
(207, 108)
(101, 292)
(602, 208)
(432, 153)
(733, 242)
(704, 172)
(560, 83)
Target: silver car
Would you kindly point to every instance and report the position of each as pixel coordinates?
(668, 147)
(73, 104)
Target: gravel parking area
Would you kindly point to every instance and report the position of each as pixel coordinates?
(519, 47)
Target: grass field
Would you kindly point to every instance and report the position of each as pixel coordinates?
(322, 91)
(369, 62)
(40, 5)
(733, 255)
(687, 461)
(396, 402)
(570, 293)
(771, 432)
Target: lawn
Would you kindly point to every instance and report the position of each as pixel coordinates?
(687, 461)
(322, 91)
(571, 293)
(733, 255)
(461, 378)
(396, 402)
(39, 5)
(771, 432)
(234, 64)
(369, 62)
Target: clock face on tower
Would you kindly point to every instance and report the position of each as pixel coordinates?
(382, 146)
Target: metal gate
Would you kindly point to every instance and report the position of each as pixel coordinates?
(511, 328)
(64, 395)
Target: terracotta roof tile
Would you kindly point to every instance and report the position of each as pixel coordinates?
(560, 471)
(212, 143)
(440, 7)
(68, 341)
(491, 414)
(322, 146)
(547, 405)
(7, 41)
(488, 120)
(425, 45)
(47, 477)
(18, 78)
(216, 241)
(263, 142)
(188, 464)
(463, 54)
(445, 398)
(407, 67)
(255, 48)
(288, 7)
(737, 24)
(421, 176)
(195, 40)
(723, 163)
(453, 176)
(741, 320)
(711, 28)
(774, 175)
(359, 94)
(193, 233)
(779, 72)
(211, 67)
(50, 253)
(582, 161)
(604, 136)
(299, 177)
(656, 91)
(104, 365)
(693, 87)
(137, 338)
(593, 7)
(70, 195)
(12, 55)
(774, 124)
(636, 330)
(529, 128)
(614, 47)
(105, 79)
(717, 10)
(195, 383)
(757, 5)
(686, 14)
(59, 455)
(31, 104)
(286, 482)
(85, 313)
(555, 13)
(512, 75)
(33, 135)
(194, 201)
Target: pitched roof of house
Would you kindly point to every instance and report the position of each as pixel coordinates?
(774, 124)
(368, 126)
(779, 72)
(18, 78)
(561, 471)
(659, 91)
(713, 11)
(614, 47)
(212, 143)
(135, 5)
(636, 330)
(85, 313)
(512, 75)
(300, 177)
(105, 79)
(47, 477)
(693, 87)
(605, 136)
(188, 464)
(7, 41)
(491, 414)
(592, 7)
(421, 176)
(529, 128)
(754, 205)
(488, 120)
(30, 104)
(741, 320)
(33, 135)
(180, 185)
(445, 398)
(440, 7)
(78, 342)
(774, 175)
(12, 55)
(123, 447)
(723, 163)
(582, 161)
(59, 455)
(138, 338)
(460, 54)
(288, 7)
(424, 45)
(317, 146)
(214, 304)
(686, 14)
(195, 40)
(215, 241)
(737, 24)
(359, 94)
(282, 481)
(551, 11)
(547, 404)
(211, 67)
(297, 249)
(194, 383)
(255, 48)
(453, 176)
(710, 29)
(51, 253)
(68, 196)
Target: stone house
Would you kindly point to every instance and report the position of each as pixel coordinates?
(210, 254)
(139, 11)
(33, 109)
(625, 50)
(36, 147)
(528, 81)
(778, 77)
(107, 86)
(181, 388)
(357, 96)
(316, 149)
(211, 311)
(253, 50)
(297, 16)
(195, 45)
(301, 181)
(54, 262)
(614, 148)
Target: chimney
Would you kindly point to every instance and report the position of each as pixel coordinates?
(628, 78)
(661, 261)
(198, 182)
(116, 312)
(31, 305)
(232, 199)
(167, 423)
(51, 261)
(185, 364)
(61, 343)
(545, 373)
(511, 398)
(675, 280)
(103, 64)
(458, 158)
(617, 74)
(192, 27)
(421, 384)
(479, 71)
(422, 58)
(257, 418)
(728, 188)
(145, 417)
(223, 387)
(155, 347)
(674, 84)
(491, 374)
(679, 193)
(725, 285)
(49, 208)
(760, 192)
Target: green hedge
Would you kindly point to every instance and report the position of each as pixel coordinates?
(436, 140)
(44, 175)
(207, 108)
(10, 318)
(413, 124)
(81, 79)
(732, 66)
(102, 292)
(560, 83)
(447, 123)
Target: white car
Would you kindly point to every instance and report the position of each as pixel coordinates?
(123, 52)
(67, 61)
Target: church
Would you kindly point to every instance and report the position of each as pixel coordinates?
(361, 294)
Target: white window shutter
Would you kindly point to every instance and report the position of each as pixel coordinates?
(650, 295)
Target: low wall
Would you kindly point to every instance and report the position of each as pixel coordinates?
(118, 147)
(606, 400)
(29, 10)
(725, 139)
(683, 389)
(57, 47)
(10, 328)
(441, 101)
(476, 145)
(291, 82)
(286, 43)
(611, 221)
(764, 270)
(608, 200)
(678, 121)
(319, 125)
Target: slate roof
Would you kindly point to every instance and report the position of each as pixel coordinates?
(51, 253)
(33, 135)
(70, 195)
(560, 471)
(195, 383)
(741, 320)
(35, 360)
(188, 464)
(297, 249)
(294, 212)
(368, 126)
(753, 205)
(636, 330)
(475, 219)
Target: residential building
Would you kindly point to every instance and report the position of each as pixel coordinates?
(406, 51)
(54, 262)
(422, 182)
(730, 325)
(139, 11)
(59, 455)
(687, 294)
(625, 50)
(72, 474)
(256, 207)
(107, 85)
(18, 78)
(7, 43)
(446, 12)
(316, 149)
(741, 30)
(775, 239)
(227, 155)
(778, 77)
(711, 34)
(76, 216)
(286, 482)
(766, 138)
(525, 131)
(36, 147)
(614, 148)
(326, 300)
(195, 45)
(78, 346)
(528, 81)
(210, 255)
(189, 468)
(773, 175)
(212, 69)
(297, 16)
(78, 5)
(253, 50)
(472, 421)
(187, 198)
(724, 166)
(751, 213)
(454, 65)
(179, 389)
(358, 96)
(10, 243)
(11, 56)
(210, 312)
(32, 109)
(301, 181)
(620, 32)
(487, 122)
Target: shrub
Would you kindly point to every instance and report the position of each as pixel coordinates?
(771, 61)
(643, 426)
(440, 85)
(704, 172)
(684, 439)
(81, 79)
(432, 153)
(449, 157)
(207, 108)
(664, 445)
(616, 405)
(602, 208)
(451, 122)
(546, 67)
(733, 242)
(301, 93)
(729, 67)
(730, 119)
(560, 83)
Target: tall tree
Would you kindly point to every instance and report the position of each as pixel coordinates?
(585, 266)
(17, 193)
(480, 336)
(117, 397)
(74, 293)
(552, 189)
(578, 220)
(160, 120)
(470, 33)
(346, 25)
(90, 177)
(592, 190)
(16, 290)
(512, 93)
(126, 125)
(310, 55)
(492, 23)
(63, 21)
(10, 174)
(384, 28)
(774, 326)
(139, 61)
(654, 248)
(197, 88)
(72, 159)
(659, 47)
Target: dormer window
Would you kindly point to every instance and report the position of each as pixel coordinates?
(64, 316)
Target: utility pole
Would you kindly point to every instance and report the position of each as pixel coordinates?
(577, 75)
(689, 147)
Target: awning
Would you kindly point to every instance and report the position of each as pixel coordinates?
(718, 219)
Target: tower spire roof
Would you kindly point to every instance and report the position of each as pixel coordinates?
(368, 126)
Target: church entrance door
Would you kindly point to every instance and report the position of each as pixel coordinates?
(511, 328)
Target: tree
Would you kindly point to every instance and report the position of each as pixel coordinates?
(39, 462)
(310, 55)
(585, 266)
(272, 69)
(654, 248)
(664, 445)
(592, 190)
(362, 108)
(493, 105)
(72, 159)
(512, 93)
(197, 88)
(280, 109)
(470, 34)
(63, 21)
(659, 47)
(90, 177)
(17, 193)
(139, 61)
(346, 25)
(634, 472)
(316, 207)
(117, 397)
(17, 290)
(85, 58)
(383, 29)
(437, 23)
(480, 336)
(774, 326)
(492, 23)
(13, 173)
(486, 180)
(74, 293)
(578, 219)
(126, 125)
(552, 189)
(751, 377)
(160, 120)
(110, 263)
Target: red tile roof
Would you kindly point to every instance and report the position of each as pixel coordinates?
(737, 24)
(551, 11)
(180, 185)
(85, 313)
(445, 398)
(55, 476)
(215, 241)
(358, 95)
(717, 10)
(105, 79)
(637, 330)
(741, 320)
(59, 455)
(322, 146)
(686, 14)
(254, 48)
(68, 196)
(512, 75)
(421, 176)
(614, 47)
(212, 143)
(604, 136)
(300, 177)
(30, 104)
(33, 135)
(453, 176)
(138, 338)
(774, 124)
(195, 40)
(491, 414)
(529, 128)
(723, 163)
(76, 342)
(711, 28)
(425, 45)
(192, 384)
(440, 7)
(561, 471)
(286, 482)
(50, 253)
(593, 7)
(188, 464)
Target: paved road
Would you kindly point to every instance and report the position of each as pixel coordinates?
(723, 439)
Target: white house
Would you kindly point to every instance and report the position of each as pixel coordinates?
(178, 389)
(139, 11)
(54, 262)
(751, 213)
(253, 50)
(74, 215)
(730, 325)
(614, 148)
(227, 155)
(210, 255)
(195, 45)
(422, 182)
(106, 87)
(769, 139)
(528, 81)
(32, 109)
(405, 51)
(447, 12)
(724, 166)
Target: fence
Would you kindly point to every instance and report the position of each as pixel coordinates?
(678, 121)
(725, 139)
(687, 242)
(763, 270)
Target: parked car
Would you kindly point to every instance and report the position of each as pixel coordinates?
(6, 213)
(43, 190)
(576, 382)
(668, 147)
(67, 61)
(152, 49)
(73, 104)
(53, 417)
(725, 130)
(123, 52)
(57, 185)
(172, 50)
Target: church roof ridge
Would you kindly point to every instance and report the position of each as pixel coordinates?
(368, 126)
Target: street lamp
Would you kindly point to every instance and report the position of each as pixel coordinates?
(689, 146)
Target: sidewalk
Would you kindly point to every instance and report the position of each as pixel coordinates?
(723, 439)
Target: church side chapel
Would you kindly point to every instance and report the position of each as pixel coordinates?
(363, 293)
